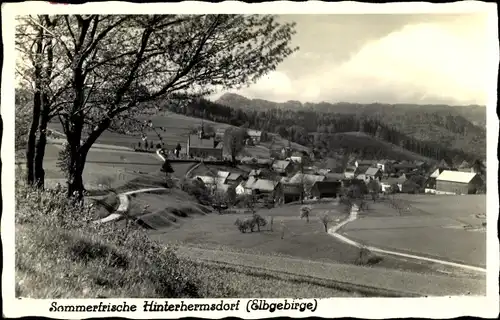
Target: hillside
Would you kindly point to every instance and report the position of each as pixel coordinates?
(473, 113)
(455, 127)
(364, 141)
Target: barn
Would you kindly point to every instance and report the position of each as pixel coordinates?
(456, 182)
(326, 189)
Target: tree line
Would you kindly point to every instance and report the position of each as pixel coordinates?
(320, 130)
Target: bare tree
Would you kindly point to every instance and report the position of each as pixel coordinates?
(374, 189)
(120, 65)
(325, 220)
(305, 212)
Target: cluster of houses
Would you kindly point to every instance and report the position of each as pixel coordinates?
(203, 146)
(284, 182)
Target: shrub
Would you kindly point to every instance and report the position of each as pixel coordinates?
(197, 189)
(245, 225)
(105, 181)
(366, 257)
(259, 221)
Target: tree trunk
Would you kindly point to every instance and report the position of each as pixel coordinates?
(30, 148)
(75, 173)
(37, 102)
(326, 227)
(41, 144)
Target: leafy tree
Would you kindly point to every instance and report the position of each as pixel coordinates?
(121, 65)
(219, 200)
(234, 141)
(41, 72)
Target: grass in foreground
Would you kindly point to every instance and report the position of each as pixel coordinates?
(60, 253)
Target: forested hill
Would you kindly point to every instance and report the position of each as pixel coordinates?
(474, 113)
(319, 130)
(456, 127)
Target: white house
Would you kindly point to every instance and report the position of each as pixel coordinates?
(255, 135)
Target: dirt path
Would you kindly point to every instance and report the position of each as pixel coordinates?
(353, 216)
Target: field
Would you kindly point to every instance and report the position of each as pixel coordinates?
(303, 240)
(176, 126)
(443, 227)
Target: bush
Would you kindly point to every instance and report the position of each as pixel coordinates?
(248, 224)
(197, 189)
(366, 257)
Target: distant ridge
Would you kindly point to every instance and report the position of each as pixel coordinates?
(475, 114)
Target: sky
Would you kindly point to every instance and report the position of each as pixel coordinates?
(392, 58)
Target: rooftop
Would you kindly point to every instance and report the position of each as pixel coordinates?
(196, 142)
(456, 176)
(372, 171)
(310, 178)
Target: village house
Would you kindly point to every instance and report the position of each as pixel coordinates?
(373, 174)
(334, 176)
(350, 172)
(365, 163)
(234, 178)
(200, 146)
(430, 184)
(456, 182)
(384, 165)
(211, 183)
(282, 167)
(219, 134)
(254, 135)
(291, 192)
(257, 186)
(404, 167)
(326, 189)
(300, 178)
(465, 167)
(256, 173)
(387, 183)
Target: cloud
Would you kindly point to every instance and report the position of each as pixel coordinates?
(419, 63)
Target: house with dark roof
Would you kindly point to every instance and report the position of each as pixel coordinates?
(365, 163)
(201, 146)
(331, 176)
(465, 167)
(291, 192)
(404, 167)
(326, 189)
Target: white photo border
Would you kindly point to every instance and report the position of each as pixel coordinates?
(373, 308)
